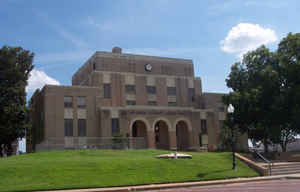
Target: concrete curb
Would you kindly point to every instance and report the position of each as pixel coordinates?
(262, 170)
(181, 185)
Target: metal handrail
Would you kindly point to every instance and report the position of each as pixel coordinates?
(270, 163)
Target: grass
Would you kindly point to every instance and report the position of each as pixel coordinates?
(103, 168)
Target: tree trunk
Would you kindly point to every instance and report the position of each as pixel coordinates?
(283, 146)
(266, 149)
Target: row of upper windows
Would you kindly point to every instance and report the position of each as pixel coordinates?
(80, 100)
(130, 89)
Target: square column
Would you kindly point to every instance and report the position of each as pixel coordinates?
(172, 139)
(151, 139)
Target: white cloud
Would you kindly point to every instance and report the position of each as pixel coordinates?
(245, 37)
(38, 79)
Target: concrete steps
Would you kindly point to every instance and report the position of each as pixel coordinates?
(285, 169)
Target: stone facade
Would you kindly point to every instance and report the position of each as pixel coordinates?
(155, 98)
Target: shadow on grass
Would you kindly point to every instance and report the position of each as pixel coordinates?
(212, 172)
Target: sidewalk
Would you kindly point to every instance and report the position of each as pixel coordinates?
(181, 185)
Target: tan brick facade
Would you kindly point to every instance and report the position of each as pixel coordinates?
(155, 98)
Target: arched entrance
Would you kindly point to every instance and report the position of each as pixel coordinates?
(139, 134)
(182, 135)
(161, 135)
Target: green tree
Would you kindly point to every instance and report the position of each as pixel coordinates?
(266, 92)
(289, 61)
(15, 67)
(256, 86)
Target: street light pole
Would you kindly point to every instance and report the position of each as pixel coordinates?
(233, 151)
(230, 110)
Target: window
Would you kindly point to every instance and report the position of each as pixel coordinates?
(131, 67)
(170, 103)
(68, 101)
(81, 127)
(203, 140)
(191, 93)
(200, 140)
(152, 103)
(106, 90)
(221, 124)
(131, 102)
(221, 108)
(81, 102)
(151, 89)
(171, 90)
(203, 126)
(68, 127)
(115, 126)
(130, 89)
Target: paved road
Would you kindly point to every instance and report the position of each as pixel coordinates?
(284, 185)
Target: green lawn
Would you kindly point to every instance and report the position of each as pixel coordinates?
(102, 168)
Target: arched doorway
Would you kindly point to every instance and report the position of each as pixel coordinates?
(182, 135)
(161, 135)
(139, 134)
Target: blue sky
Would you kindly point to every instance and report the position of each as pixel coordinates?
(63, 34)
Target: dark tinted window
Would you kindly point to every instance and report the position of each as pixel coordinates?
(221, 123)
(152, 103)
(171, 90)
(172, 103)
(131, 102)
(68, 101)
(131, 67)
(203, 126)
(81, 102)
(106, 88)
(130, 89)
(115, 126)
(151, 89)
(221, 108)
(191, 95)
(68, 127)
(200, 140)
(81, 127)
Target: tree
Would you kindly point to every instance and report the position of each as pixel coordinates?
(255, 84)
(289, 61)
(266, 92)
(15, 67)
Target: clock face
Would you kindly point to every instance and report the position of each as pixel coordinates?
(148, 67)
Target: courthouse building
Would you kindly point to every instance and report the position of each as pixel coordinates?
(156, 99)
